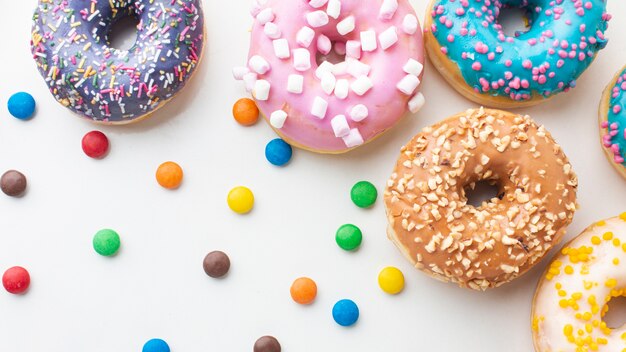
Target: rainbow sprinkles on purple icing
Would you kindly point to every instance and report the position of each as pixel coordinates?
(70, 46)
(614, 136)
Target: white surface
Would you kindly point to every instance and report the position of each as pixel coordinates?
(155, 287)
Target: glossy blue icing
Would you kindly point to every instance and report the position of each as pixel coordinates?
(70, 47)
(562, 41)
(615, 136)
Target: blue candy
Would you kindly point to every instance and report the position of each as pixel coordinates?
(278, 152)
(345, 312)
(156, 345)
(21, 105)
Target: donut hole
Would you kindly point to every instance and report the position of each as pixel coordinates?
(482, 192)
(335, 56)
(514, 21)
(123, 33)
(615, 317)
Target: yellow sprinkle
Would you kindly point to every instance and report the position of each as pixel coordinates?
(87, 46)
(610, 283)
(607, 236)
(623, 216)
(616, 242)
(596, 240)
(568, 330)
(616, 261)
(568, 270)
(601, 223)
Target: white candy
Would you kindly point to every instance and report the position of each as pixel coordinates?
(261, 89)
(305, 36)
(328, 83)
(258, 64)
(278, 118)
(388, 9)
(295, 84)
(408, 84)
(359, 113)
(410, 24)
(368, 40)
(255, 9)
(353, 139)
(342, 88)
(281, 48)
(353, 49)
(317, 3)
(361, 85)
(340, 126)
(416, 103)
(323, 44)
(340, 48)
(317, 19)
(266, 15)
(323, 68)
(357, 69)
(388, 37)
(334, 8)
(301, 59)
(249, 79)
(319, 107)
(238, 72)
(346, 25)
(413, 67)
(340, 69)
(271, 30)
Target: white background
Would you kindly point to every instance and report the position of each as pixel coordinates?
(80, 301)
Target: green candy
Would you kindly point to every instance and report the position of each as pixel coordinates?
(349, 237)
(106, 242)
(363, 194)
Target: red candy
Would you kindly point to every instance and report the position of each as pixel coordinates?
(16, 280)
(95, 144)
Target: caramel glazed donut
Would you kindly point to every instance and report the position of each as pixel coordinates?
(486, 246)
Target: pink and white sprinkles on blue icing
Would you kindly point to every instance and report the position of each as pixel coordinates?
(562, 41)
(70, 46)
(615, 126)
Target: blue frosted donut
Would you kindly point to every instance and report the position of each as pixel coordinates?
(613, 121)
(71, 47)
(468, 46)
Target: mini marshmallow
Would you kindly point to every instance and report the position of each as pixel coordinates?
(408, 84)
(249, 79)
(258, 64)
(340, 126)
(261, 89)
(301, 59)
(255, 9)
(357, 69)
(410, 24)
(317, 3)
(328, 83)
(278, 118)
(340, 48)
(413, 67)
(359, 113)
(416, 103)
(342, 88)
(368, 40)
(271, 30)
(340, 69)
(319, 108)
(295, 84)
(305, 36)
(353, 139)
(317, 19)
(323, 68)
(334, 8)
(361, 85)
(238, 72)
(281, 48)
(388, 37)
(346, 25)
(388, 9)
(353, 49)
(323, 44)
(266, 15)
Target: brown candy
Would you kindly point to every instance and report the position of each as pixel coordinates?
(13, 183)
(267, 344)
(216, 264)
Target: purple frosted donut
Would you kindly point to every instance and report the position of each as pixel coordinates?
(71, 47)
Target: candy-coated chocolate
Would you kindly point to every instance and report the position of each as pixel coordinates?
(266, 344)
(21, 105)
(303, 290)
(364, 194)
(391, 280)
(95, 144)
(345, 312)
(349, 237)
(156, 345)
(106, 242)
(278, 152)
(240, 200)
(216, 264)
(16, 280)
(13, 183)
(169, 175)
(245, 112)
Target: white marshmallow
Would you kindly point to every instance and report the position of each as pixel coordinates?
(368, 40)
(271, 30)
(342, 88)
(295, 84)
(410, 24)
(340, 126)
(388, 9)
(266, 15)
(340, 69)
(323, 68)
(319, 108)
(255, 9)
(359, 113)
(317, 19)
(416, 103)
(328, 83)
(278, 118)
(334, 8)
(361, 85)
(357, 69)
(388, 37)
(317, 3)
(408, 84)
(301, 59)
(281, 48)
(353, 49)
(353, 139)
(238, 72)
(340, 48)
(413, 67)
(249, 79)
(323, 44)
(305, 36)
(261, 89)
(346, 25)
(258, 64)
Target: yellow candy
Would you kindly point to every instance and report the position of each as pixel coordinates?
(391, 280)
(240, 200)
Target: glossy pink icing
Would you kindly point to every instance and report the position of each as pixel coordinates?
(386, 104)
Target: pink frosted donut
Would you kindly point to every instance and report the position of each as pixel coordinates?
(326, 107)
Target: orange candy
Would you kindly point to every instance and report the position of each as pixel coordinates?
(303, 290)
(169, 175)
(246, 112)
